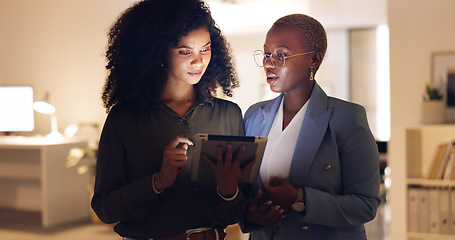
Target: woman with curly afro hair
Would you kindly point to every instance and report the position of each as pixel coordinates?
(166, 58)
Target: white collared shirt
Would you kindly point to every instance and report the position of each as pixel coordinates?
(281, 144)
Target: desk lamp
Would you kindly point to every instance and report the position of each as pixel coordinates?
(45, 107)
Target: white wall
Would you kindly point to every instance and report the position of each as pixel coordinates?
(253, 86)
(58, 46)
(363, 64)
(333, 75)
(417, 29)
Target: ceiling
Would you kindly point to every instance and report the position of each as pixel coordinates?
(246, 16)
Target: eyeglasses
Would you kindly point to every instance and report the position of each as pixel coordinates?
(277, 59)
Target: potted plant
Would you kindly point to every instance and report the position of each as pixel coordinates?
(432, 94)
(433, 106)
(84, 159)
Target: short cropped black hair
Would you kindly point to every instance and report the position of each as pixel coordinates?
(310, 28)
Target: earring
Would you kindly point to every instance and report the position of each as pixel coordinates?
(311, 74)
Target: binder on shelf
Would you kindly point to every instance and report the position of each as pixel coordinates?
(452, 211)
(444, 162)
(453, 170)
(413, 208)
(423, 210)
(437, 160)
(433, 197)
(448, 172)
(444, 210)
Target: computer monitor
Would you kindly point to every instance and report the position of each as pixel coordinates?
(16, 109)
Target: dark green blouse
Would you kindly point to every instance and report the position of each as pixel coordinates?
(131, 151)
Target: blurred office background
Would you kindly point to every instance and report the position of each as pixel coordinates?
(379, 55)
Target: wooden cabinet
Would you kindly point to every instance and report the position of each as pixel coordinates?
(427, 198)
(33, 177)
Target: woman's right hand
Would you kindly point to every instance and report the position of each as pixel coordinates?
(174, 161)
(266, 214)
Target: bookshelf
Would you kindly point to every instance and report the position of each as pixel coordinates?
(430, 206)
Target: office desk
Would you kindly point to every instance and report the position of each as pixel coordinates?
(33, 177)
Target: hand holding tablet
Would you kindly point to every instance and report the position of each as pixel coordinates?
(208, 144)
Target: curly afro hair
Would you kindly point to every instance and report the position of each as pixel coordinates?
(137, 52)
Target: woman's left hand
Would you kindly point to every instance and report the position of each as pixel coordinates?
(280, 191)
(228, 172)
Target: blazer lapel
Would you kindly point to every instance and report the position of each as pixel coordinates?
(268, 112)
(311, 133)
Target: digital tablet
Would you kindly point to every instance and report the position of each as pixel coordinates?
(207, 144)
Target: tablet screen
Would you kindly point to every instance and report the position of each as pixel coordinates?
(208, 144)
